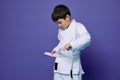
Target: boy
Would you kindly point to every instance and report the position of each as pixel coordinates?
(73, 37)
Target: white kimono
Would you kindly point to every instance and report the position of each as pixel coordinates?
(79, 38)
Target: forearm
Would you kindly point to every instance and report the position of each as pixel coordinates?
(58, 47)
(81, 43)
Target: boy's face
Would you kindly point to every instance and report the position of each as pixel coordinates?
(64, 23)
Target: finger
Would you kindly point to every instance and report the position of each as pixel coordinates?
(64, 48)
(52, 53)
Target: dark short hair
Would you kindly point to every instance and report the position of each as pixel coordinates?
(60, 12)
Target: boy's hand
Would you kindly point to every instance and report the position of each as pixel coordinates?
(53, 52)
(67, 47)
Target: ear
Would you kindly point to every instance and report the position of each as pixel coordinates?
(67, 17)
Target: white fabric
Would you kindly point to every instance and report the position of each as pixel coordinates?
(79, 38)
(52, 55)
(58, 76)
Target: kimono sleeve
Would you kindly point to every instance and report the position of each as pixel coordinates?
(83, 38)
(58, 47)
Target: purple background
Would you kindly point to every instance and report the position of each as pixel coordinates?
(26, 31)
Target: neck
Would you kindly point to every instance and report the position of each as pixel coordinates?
(70, 21)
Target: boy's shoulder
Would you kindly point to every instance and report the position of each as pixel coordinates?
(76, 23)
